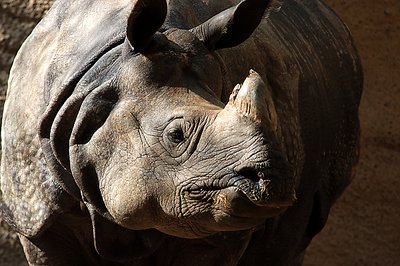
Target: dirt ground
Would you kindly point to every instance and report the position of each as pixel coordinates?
(363, 226)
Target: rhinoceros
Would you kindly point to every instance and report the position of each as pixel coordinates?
(126, 141)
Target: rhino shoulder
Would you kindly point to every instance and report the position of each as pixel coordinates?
(31, 197)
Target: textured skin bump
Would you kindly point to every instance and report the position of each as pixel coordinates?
(19, 185)
(30, 192)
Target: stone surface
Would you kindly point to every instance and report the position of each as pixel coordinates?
(363, 226)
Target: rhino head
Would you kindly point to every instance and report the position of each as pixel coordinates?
(153, 145)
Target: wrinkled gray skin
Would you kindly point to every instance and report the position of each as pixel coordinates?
(125, 140)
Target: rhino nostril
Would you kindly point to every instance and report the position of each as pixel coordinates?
(250, 173)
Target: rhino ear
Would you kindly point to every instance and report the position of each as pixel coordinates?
(146, 18)
(234, 25)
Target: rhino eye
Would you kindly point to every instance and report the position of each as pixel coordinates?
(177, 138)
(176, 135)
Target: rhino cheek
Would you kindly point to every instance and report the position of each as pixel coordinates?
(127, 198)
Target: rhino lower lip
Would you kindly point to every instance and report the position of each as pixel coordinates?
(234, 203)
(256, 192)
(259, 192)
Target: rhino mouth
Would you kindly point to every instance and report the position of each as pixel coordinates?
(249, 186)
(264, 189)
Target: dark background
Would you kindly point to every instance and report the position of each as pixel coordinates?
(363, 228)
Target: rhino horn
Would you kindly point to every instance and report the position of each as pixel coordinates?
(254, 100)
(146, 17)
